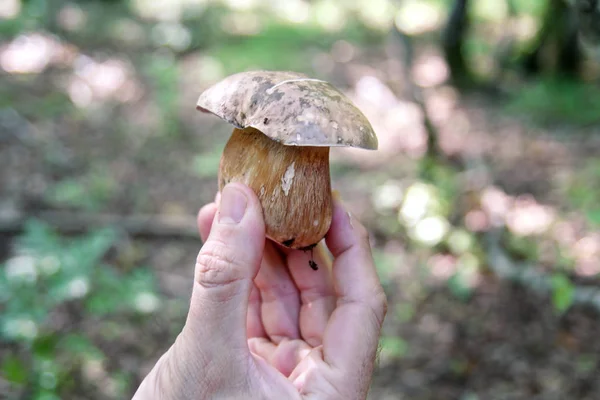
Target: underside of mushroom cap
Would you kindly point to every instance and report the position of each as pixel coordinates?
(290, 108)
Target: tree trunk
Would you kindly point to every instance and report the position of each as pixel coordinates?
(453, 40)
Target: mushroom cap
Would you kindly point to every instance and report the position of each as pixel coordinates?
(290, 108)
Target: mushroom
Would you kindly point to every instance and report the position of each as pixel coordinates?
(285, 123)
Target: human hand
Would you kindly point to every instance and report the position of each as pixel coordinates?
(262, 324)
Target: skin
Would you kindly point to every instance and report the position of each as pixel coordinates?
(262, 324)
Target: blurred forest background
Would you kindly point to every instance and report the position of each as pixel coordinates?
(483, 200)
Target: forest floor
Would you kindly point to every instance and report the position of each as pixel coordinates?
(455, 329)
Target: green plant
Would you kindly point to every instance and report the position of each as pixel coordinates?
(89, 192)
(51, 291)
(563, 292)
(583, 191)
(552, 101)
(163, 73)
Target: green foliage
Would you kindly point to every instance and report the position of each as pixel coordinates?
(463, 283)
(552, 101)
(563, 293)
(584, 191)
(90, 191)
(206, 165)
(536, 8)
(386, 264)
(393, 346)
(163, 74)
(33, 15)
(284, 47)
(524, 248)
(47, 276)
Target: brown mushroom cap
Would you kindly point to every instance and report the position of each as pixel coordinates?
(290, 108)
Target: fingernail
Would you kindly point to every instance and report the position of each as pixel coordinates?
(232, 206)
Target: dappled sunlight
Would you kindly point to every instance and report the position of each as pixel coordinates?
(330, 15)
(99, 120)
(101, 81)
(128, 32)
(9, 9)
(397, 122)
(72, 18)
(147, 302)
(372, 90)
(292, 11)
(241, 5)
(587, 254)
(21, 328)
(455, 135)
(242, 23)
(430, 70)
(496, 204)
(22, 269)
(171, 34)
(378, 15)
(442, 104)
(460, 241)
(388, 196)
(565, 233)
(442, 266)
(491, 10)
(418, 200)
(527, 217)
(525, 27)
(95, 370)
(468, 271)
(167, 10)
(418, 17)
(430, 231)
(477, 221)
(200, 71)
(33, 53)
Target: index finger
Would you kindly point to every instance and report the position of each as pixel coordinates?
(352, 336)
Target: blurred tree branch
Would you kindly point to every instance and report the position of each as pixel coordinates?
(453, 37)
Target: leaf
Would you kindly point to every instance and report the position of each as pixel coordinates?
(594, 216)
(14, 370)
(458, 287)
(563, 293)
(45, 346)
(394, 346)
(80, 345)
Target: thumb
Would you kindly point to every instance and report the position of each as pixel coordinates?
(225, 269)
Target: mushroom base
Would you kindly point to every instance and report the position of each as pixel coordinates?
(291, 182)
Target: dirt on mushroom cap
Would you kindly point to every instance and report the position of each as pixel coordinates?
(290, 108)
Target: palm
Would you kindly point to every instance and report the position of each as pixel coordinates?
(290, 306)
(305, 333)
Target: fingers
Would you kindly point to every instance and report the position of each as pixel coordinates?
(225, 268)
(285, 356)
(280, 298)
(316, 292)
(351, 339)
(205, 219)
(254, 324)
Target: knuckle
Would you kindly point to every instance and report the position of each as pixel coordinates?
(379, 305)
(362, 232)
(216, 265)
